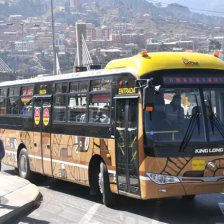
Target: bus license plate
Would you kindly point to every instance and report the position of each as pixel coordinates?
(198, 164)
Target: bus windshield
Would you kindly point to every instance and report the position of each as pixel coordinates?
(185, 116)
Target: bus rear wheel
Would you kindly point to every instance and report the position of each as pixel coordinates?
(24, 166)
(108, 196)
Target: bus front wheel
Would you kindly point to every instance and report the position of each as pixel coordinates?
(24, 166)
(108, 196)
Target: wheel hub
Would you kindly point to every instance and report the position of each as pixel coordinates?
(101, 182)
(23, 165)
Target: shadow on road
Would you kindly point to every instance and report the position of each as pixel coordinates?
(202, 209)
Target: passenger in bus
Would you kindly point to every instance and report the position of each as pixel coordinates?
(14, 108)
(175, 113)
(24, 110)
(103, 118)
(77, 117)
(99, 117)
(29, 107)
(95, 117)
(104, 115)
(83, 118)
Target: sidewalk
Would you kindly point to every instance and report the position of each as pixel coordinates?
(17, 195)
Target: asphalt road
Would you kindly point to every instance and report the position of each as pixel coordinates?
(65, 202)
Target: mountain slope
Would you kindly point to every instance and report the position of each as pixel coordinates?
(175, 11)
(214, 5)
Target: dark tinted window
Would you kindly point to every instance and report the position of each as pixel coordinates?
(60, 108)
(81, 86)
(14, 91)
(26, 101)
(99, 108)
(27, 90)
(2, 105)
(77, 108)
(101, 85)
(13, 105)
(3, 92)
(61, 87)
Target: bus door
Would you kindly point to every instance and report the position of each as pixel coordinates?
(42, 136)
(127, 145)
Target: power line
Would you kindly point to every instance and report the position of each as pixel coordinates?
(177, 5)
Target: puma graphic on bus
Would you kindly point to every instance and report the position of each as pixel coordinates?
(209, 150)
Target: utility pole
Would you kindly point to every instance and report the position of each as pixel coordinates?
(53, 38)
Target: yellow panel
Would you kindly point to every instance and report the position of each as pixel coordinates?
(198, 164)
(167, 60)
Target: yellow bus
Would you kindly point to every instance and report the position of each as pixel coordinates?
(148, 126)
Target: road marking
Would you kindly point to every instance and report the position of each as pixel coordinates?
(90, 213)
(221, 206)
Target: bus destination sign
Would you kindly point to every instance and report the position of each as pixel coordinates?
(175, 80)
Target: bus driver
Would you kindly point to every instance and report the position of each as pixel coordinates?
(175, 113)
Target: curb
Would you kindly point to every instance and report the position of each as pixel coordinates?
(16, 213)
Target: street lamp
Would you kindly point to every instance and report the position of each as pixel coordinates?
(53, 38)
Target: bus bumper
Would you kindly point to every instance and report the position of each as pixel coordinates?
(151, 190)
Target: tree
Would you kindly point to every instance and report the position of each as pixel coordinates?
(214, 45)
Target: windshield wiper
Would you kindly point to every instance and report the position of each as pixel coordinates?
(211, 117)
(215, 122)
(191, 127)
(198, 115)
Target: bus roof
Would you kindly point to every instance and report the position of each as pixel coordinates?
(69, 76)
(167, 60)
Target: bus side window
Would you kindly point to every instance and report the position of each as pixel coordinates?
(3, 95)
(26, 107)
(13, 105)
(60, 108)
(2, 105)
(77, 108)
(13, 100)
(99, 108)
(26, 103)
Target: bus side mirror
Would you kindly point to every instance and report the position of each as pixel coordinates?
(148, 98)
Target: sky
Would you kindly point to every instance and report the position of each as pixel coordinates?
(210, 5)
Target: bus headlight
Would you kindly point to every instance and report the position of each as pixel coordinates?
(163, 179)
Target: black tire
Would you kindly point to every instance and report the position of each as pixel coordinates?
(188, 197)
(108, 196)
(23, 165)
(16, 171)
